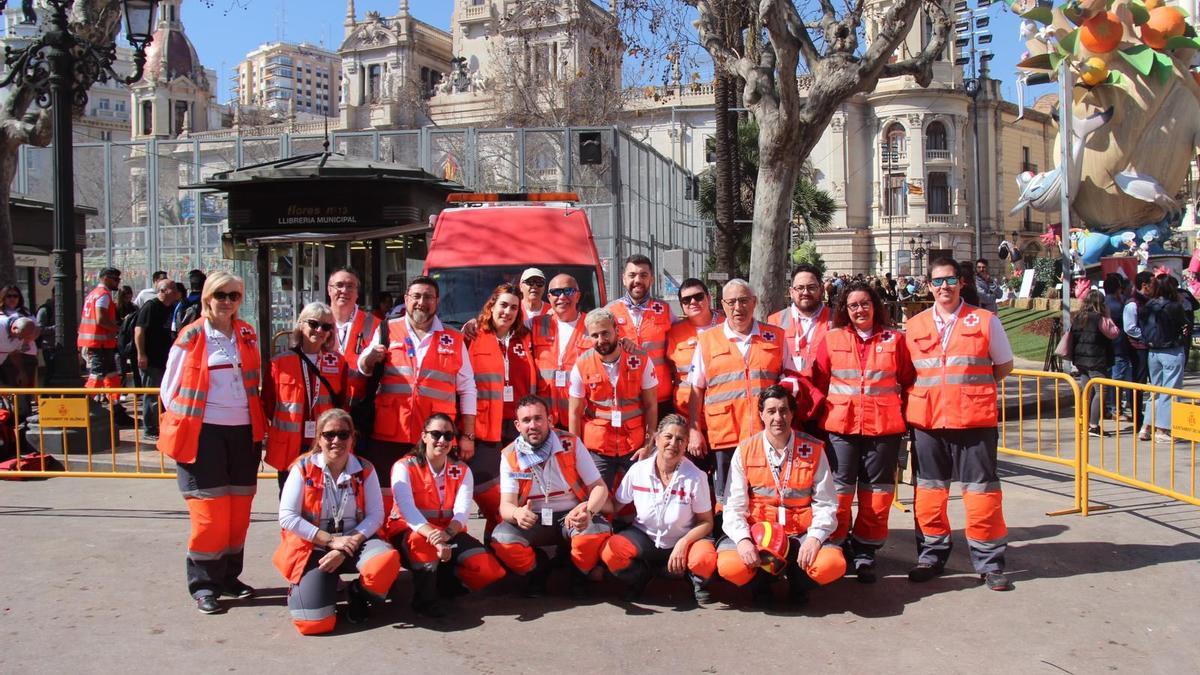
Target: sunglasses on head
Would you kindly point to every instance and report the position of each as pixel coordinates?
(563, 291)
(440, 435)
(338, 434)
(231, 296)
(689, 299)
(949, 281)
(317, 325)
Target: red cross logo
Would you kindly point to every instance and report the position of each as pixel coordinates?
(804, 451)
(446, 339)
(519, 350)
(887, 336)
(656, 307)
(329, 359)
(633, 362)
(768, 336)
(971, 320)
(454, 472)
(246, 332)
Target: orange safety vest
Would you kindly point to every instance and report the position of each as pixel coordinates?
(179, 428)
(681, 347)
(599, 434)
(487, 360)
(765, 498)
(650, 336)
(734, 382)
(409, 393)
(955, 388)
(291, 556)
(545, 354)
(286, 439)
(863, 398)
(91, 334)
(362, 330)
(439, 511)
(804, 350)
(566, 466)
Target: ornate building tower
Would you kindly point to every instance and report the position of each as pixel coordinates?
(176, 93)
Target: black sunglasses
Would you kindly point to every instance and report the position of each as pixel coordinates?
(231, 296)
(340, 434)
(441, 435)
(563, 291)
(689, 299)
(317, 325)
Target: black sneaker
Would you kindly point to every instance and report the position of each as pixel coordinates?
(996, 581)
(358, 608)
(864, 571)
(1095, 432)
(924, 572)
(151, 436)
(535, 585)
(635, 590)
(208, 604)
(238, 590)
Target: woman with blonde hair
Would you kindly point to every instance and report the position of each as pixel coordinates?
(329, 511)
(212, 425)
(305, 381)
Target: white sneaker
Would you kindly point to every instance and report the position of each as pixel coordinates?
(1161, 437)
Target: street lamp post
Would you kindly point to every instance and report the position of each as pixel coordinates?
(60, 67)
(971, 35)
(918, 249)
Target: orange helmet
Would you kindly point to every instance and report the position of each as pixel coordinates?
(772, 545)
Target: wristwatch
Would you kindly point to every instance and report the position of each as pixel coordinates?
(468, 436)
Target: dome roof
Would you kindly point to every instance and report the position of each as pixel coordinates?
(171, 55)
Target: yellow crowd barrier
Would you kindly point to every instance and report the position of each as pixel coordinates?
(1039, 420)
(63, 415)
(1162, 462)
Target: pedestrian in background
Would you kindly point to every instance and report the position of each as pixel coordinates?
(1133, 318)
(152, 338)
(1164, 331)
(1091, 349)
(1116, 289)
(151, 292)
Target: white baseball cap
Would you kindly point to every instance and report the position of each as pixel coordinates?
(531, 272)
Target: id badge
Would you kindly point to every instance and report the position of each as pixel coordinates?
(508, 393)
(310, 429)
(560, 378)
(616, 418)
(547, 516)
(782, 515)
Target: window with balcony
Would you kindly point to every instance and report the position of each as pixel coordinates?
(896, 198)
(937, 145)
(894, 141)
(374, 80)
(938, 193)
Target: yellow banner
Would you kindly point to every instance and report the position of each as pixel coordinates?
(1185, 421)
(63, 412)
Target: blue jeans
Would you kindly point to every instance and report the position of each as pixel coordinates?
(1166, 370)
(1122, 369)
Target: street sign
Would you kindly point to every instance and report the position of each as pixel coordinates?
(63, 412)
(718, 276)
(1185, 421)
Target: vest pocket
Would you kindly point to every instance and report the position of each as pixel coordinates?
(387, 416)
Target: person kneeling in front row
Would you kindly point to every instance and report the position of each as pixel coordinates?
(330, 509)
(780, 476)
(433, 491)
(550, 493)
(674, 522)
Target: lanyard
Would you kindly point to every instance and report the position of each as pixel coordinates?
(562, 353)
(219, 341)
(661, 503)
(790, 456)
(344, 332)
(312, 386)
(805, 334)
(540, 480)
(503, 342)
(340, 496)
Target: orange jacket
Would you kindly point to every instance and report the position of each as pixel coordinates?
(545, 354)
(599, 434)
(864, 397)
(731, 398)
(291, 556)
(681, 346)
(286, 396)
(650, 337)
(438, 511)
(487, 360)
(363, 327)
(802, 355)
(566, 466)
(955, 388)
(91, 334)
(765, 498)
(179, 428)
(409, 393)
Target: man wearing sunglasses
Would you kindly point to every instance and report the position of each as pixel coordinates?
(959, 353)
(806, 321)
(533, 298)
(698, 316)
(426, 370)
(355, 328)
(644, 321)
(557, 340)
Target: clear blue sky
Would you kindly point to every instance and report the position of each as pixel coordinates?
(224, 33)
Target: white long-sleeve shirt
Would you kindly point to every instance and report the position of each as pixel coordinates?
(403, 494)
(291, 501)
(824, 495)
(464, 380)
(1129, 320)
(225, 403)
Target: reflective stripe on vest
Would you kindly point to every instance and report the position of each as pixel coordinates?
(650, 336)
(286, 440)
(409, 393)
(293, 552)
(863, 400)
(954, 388)
(91, 334)
(544, 342)
(599, 435)
(796, 497)
(439, 512)
(730, 399)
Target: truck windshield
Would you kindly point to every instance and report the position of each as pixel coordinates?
(464, 290)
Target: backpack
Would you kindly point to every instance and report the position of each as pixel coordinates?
(185, 313)
(126, 346)
(1162, 327)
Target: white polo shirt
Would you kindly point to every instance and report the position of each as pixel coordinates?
(547, 473)
(665, 512)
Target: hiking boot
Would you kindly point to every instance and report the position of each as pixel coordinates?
(924, 572)
(996, 581)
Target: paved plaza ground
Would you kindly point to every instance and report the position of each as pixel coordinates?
(93, 582)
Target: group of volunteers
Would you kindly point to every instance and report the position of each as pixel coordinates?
(620, 441)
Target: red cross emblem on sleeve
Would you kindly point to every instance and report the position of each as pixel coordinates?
(656, 307)
(633, 362)
(971, 320)
(454, 472)
(446, 340)
(519, 350)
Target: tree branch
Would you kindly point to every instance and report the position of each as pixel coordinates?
(724, 57)
(893, 27)
(921, 65)
(799, 30)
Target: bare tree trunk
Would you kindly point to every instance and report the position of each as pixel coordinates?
(772, 208)
(8, 171)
